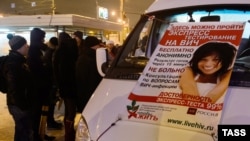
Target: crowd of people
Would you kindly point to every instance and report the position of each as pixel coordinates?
(40, 74)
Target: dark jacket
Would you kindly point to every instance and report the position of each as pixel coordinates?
(19, 81)
(64, 67)
(37, 64)
(87, 77)
(48, 60)
(81, 47)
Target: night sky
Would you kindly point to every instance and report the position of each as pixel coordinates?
(132, 8)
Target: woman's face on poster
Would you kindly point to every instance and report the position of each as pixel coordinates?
(210, 64)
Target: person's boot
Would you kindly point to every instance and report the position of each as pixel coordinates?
(69, 130)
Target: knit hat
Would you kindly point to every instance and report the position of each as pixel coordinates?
(91, 41)
(16, 42)
(78, 34)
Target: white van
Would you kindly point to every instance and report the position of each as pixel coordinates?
(104, 117)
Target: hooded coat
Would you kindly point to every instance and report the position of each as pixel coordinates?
(37, 64)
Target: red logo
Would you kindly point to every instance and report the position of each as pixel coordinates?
(192, 111)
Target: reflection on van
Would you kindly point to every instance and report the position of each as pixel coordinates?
(241, 70)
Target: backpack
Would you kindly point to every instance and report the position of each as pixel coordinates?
(3, 83)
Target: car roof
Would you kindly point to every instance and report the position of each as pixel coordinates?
(159, 5)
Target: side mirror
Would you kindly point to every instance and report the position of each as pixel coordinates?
(101, 58)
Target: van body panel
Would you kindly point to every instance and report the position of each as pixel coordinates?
(106, 104)
(101, 115)
(129, 131)
(236, 108)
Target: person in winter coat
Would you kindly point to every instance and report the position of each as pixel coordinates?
(42, 80)
(87, 76)
(53, 97)
(20, 89)
(65, 61)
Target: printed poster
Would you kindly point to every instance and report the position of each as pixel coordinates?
(186, 79)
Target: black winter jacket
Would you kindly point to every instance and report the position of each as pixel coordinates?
(64, 67)
(19, 81)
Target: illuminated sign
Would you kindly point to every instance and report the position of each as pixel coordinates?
(102, 13)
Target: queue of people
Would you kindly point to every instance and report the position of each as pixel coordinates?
(39, 74)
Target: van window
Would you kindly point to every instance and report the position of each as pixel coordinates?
(141, 43)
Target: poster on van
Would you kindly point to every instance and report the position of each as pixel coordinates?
(186, 79)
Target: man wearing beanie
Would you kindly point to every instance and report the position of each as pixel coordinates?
(20, 87)
(42, 83)
(16, 42)
(87, 76)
